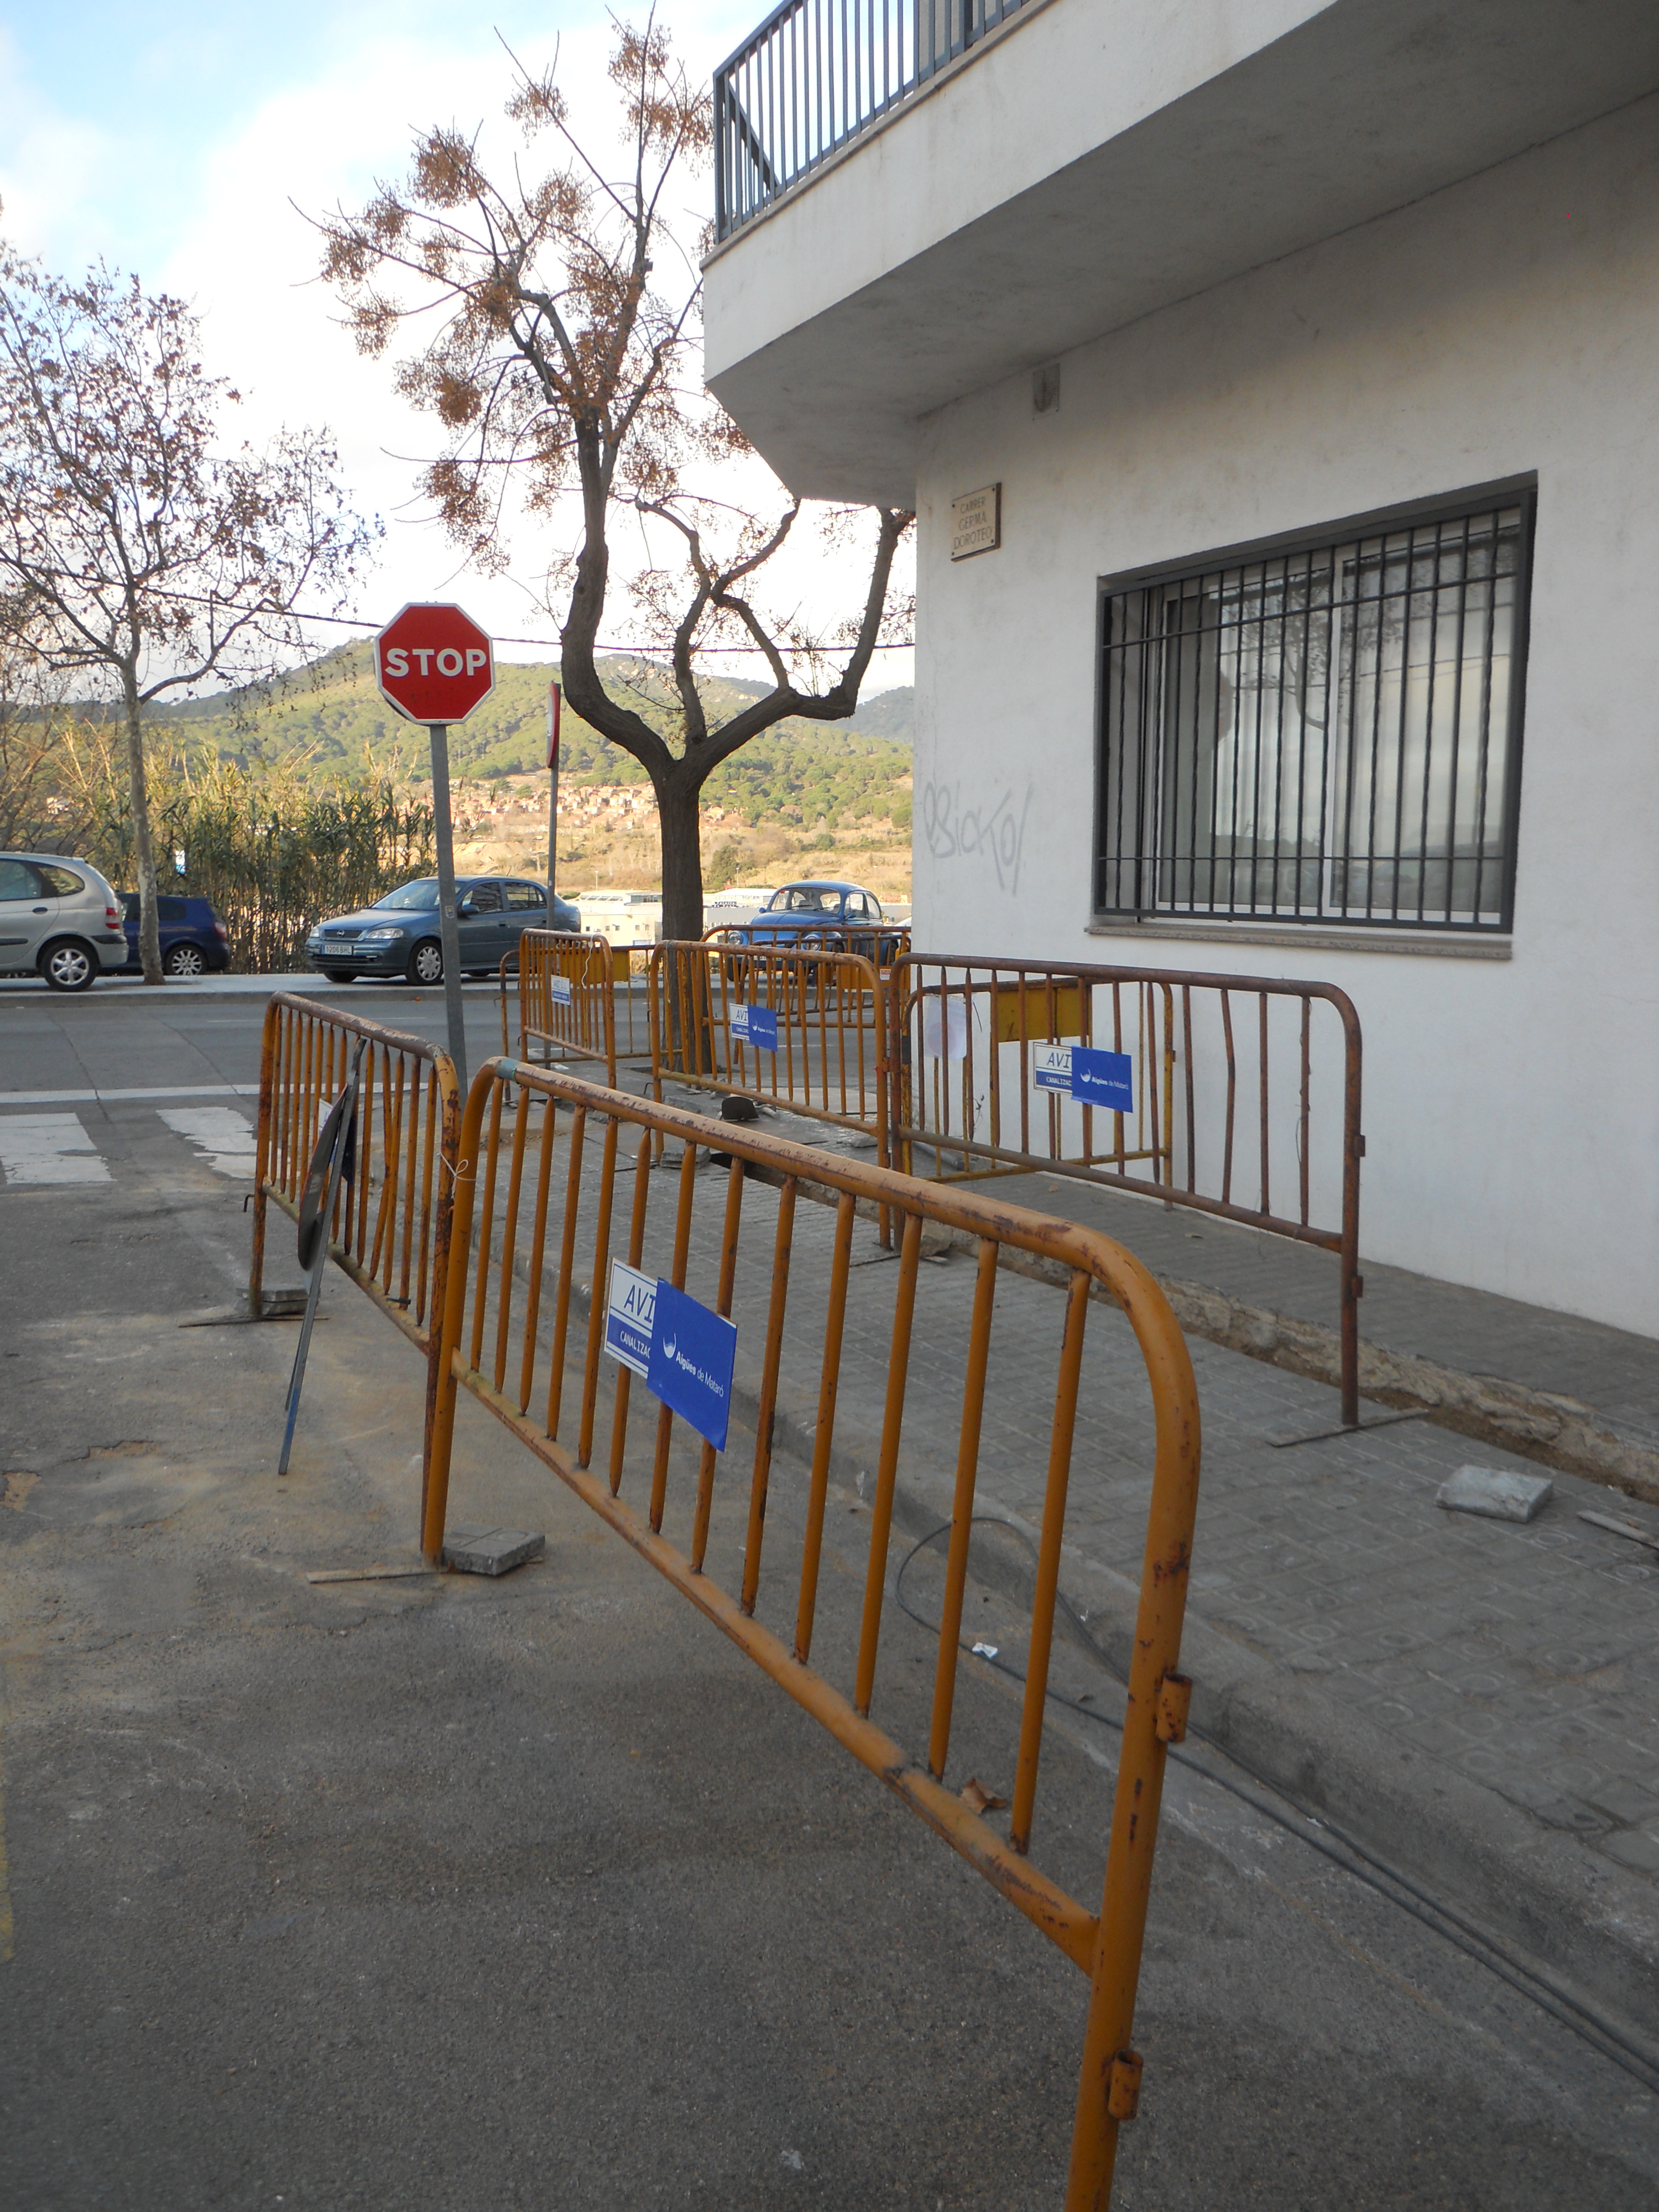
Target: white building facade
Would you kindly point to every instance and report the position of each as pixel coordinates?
(1309, 356)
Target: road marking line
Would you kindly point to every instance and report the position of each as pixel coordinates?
(49, 1148)
(99, 1097)
(223, 1137)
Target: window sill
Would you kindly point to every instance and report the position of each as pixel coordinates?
(1444, 945)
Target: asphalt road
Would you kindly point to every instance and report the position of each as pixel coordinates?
(126, 1035)
(458, 1893)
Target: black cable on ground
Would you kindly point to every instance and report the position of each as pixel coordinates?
(1322, 1835)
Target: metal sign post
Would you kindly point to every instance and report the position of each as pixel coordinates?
(328, 1163)
(435, 665)
(553, 793)
(449, 928)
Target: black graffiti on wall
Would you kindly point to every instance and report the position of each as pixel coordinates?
(993, 834)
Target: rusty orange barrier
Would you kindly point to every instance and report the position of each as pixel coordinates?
(391, 1227)
(881, 944)
(823, 1012)
(566, 998)
(1234, 1097)
(555, 1188)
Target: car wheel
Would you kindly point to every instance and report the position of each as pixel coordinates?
(68, 965)
(425, 962)
(184, 960)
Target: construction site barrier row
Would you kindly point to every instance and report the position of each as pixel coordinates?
(390, 1229)
(879, 943)
(556, 1181)
(801, 1030)
(567, 1000)
(1222, 1099)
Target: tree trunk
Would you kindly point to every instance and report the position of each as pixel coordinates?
(679, 812)
(143, 850)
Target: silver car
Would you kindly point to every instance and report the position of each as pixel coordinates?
(59, 918)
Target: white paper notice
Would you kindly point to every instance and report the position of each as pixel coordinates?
(945, 1037)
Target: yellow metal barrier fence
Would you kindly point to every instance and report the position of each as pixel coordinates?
(1232, 1100)
(391, 1227)
(549, 1205)
(880, 943)
(566, 998)
(823, 1014)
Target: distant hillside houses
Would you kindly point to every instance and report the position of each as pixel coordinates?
(601, 803)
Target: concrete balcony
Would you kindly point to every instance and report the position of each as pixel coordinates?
(1082, 164)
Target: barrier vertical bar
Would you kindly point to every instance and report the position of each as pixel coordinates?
(881, 1518)
(256, 1278)
(782, 1245)
(962, 1514)
(824, 1430)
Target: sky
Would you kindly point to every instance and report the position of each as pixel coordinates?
(188, 142)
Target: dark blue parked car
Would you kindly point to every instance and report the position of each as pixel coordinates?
(193, 941)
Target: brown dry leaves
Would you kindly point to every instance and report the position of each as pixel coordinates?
(978, 1799)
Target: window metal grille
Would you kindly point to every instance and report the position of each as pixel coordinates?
(1330, 734)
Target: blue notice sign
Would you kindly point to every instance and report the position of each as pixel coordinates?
(756, 1025)
(693, 1352)
(628, 1309)
(1051, 1067)
(1103, 1078)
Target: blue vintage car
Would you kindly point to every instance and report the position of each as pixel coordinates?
(836, 917)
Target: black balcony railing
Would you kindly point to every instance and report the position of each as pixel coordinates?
(814, 75)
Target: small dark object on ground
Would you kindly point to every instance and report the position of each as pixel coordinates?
(739, 1110)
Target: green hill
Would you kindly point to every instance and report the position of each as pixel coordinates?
(331, 712)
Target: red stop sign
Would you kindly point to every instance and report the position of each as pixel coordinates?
(433, 663)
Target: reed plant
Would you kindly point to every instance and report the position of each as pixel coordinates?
(275, 846)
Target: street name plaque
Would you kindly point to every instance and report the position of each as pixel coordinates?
(976, 522)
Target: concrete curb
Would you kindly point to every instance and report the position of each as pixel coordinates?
(1538, 1424)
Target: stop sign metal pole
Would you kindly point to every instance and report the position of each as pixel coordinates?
(553, 793)
(449, 928)
(435, 665)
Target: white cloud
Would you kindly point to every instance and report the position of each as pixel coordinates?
(55, 170)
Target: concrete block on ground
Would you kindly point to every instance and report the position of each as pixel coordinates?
(1495, 1491)
(491, 1551)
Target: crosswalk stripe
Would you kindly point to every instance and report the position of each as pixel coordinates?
(49, 1148)
(223, 1137)
(100, 1097)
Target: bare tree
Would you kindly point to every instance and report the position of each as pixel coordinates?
(564, 321)
(37, 810)
(137, 556)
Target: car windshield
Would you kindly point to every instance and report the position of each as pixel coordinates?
(806, 898)
(422, 894)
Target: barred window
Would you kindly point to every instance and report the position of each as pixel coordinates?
(1326, 734)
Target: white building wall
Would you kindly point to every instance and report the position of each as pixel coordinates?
(1507, 325)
